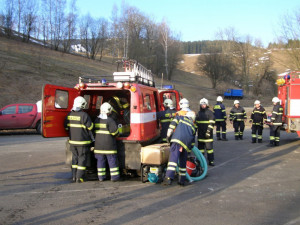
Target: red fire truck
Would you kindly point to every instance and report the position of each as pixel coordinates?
(134, 86)
(289, 94)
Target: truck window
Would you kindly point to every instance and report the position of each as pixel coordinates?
(9, 110)
(147, 102)
(99, 102)
(61, 99)
(87, 98)
(25, 108)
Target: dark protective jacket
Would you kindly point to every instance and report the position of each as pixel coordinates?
(237, 114)
(205, 121)
(258, 116)
(184, 132)
(165, 118)
(220, 112)
(277, 113)
(106, 131)
(79, 126)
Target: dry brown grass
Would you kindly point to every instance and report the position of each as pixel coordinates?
(25, 68)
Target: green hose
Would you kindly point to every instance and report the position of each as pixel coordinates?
(203, 164)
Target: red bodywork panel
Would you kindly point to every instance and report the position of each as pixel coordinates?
(53, 116)
(289, 94)
(144, 104)
(174, 95)
(19, 116)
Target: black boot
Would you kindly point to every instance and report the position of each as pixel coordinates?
(253, 140)
(259, 140)
(271, 144)
(167, 181)
(236, 138)
(241, 137)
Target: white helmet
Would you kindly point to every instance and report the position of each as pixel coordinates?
(191, 115)
(184, 103)
(168, 103)
(203, 101)
(219, 99)
(79, 102)
(236, 102)
(105, 108)
(257, 102)
(275, 100)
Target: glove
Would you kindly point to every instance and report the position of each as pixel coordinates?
(207, 134)
(168, 139)
(92, 148)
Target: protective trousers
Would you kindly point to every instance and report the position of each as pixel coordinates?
(239, 127)
(274, 135)
(208, 146)
(257, 129)
(113, 166)
(78, 160)
(175, 154)
(219, 125)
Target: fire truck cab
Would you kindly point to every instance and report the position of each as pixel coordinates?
(136, 103)
(289, 94)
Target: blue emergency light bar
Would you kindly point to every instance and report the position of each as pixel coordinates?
(170, 86)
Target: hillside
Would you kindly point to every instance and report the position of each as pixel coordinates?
(25, 68)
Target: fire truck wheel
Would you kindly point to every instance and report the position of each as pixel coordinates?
(68, 160)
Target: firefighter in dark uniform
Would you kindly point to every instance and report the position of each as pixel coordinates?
(165, 117)
(79, 125)
(238, 117)
(258, 117)
(220, 116)
(105, 149)
(205, 121)
(276, 122)
(181, 134)
(119, 107)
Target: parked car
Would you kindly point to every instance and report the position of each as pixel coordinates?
(20, 116)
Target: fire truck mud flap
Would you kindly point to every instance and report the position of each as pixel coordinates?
(129, 157)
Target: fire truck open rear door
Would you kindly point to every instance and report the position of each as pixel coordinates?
(57, 103)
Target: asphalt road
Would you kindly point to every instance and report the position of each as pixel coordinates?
(250, 184)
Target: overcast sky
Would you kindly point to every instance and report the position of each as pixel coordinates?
(201, 19)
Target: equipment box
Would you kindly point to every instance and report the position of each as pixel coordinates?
(156, 154)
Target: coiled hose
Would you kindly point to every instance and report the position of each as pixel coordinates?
(203, 164)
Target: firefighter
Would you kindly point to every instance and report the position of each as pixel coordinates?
(276, 122)
(105, 149)
(181, 135)
(165, 118)
(258, 117)
(184, 105)
(205, 121)
(117, 107)
(238, 117)
(220, 116)
(79, 125)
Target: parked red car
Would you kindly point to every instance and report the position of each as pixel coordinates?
(20, 116)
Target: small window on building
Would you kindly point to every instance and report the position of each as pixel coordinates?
(61, 99)
(25, 108)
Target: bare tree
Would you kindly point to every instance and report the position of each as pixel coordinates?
(8, 15)
(290, 34)
(165, 41)
(217, 66)
(29, 19)
(69, 29)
